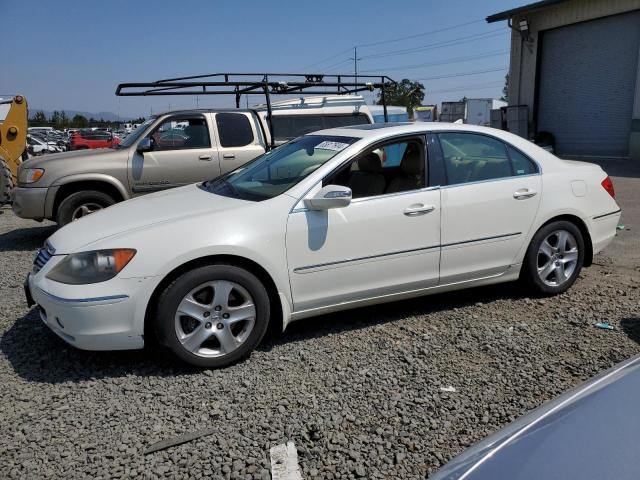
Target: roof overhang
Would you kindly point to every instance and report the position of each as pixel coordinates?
(507, 14)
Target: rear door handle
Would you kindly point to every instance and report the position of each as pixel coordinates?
(418, 209)
(205, 157)
(524, 193)
(228, 155)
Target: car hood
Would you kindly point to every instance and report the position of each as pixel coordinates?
(43, 161)
(162, 207)
(591, 432)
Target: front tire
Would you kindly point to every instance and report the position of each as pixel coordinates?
(81, 204)
(554, 258)
(213, 316)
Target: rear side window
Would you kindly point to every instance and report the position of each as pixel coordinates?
(288, 127)
(521, 165)
(469, 157)
(234, 129)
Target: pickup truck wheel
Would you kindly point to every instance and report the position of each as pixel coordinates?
(213, 316)
(81, 204)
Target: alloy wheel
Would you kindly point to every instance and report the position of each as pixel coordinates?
(215, 318)
(557, 258)
(84, 210)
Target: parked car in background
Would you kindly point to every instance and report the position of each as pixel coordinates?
(90, 139)
(170, 150)
(592, 432)
(320, 225)
(37, 146)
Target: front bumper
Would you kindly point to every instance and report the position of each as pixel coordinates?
(93, 322)
(29, 202)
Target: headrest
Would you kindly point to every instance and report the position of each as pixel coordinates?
(370, 163)
(412, 161)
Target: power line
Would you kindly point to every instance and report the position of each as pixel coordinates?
(463, 74)
(446, 62)
(326, 59)
(446, 43)
(393, 40)
(399, 39)
(477, 86)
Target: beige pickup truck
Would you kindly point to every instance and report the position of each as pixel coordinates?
(170, 150)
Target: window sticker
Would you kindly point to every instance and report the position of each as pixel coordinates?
(333, 146)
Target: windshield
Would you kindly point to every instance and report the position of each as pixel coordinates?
(277, 171)
(135, 135)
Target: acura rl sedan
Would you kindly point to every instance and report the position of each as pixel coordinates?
(329, 221)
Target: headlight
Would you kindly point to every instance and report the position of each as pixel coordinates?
(30, 175)
(91, 267)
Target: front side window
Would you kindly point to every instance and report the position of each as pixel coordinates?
(469, 157)
(277, 171)
(391, 168)
(180, 133)
(234, 129)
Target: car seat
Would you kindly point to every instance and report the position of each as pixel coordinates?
(411, 171)
(367, 180)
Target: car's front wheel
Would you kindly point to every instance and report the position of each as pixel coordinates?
(554, 257)
(213, 316)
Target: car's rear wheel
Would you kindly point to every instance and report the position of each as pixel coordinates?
(81, 204)
(213, 316)
(554, 257)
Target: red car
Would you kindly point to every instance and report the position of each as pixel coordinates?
(84, 139)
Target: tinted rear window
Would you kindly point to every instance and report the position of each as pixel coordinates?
(287, 127)
(234, 129)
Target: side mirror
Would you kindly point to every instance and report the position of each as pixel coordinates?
(331, 196)
(145, 145)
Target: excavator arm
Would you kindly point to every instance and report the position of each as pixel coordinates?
(13, 141)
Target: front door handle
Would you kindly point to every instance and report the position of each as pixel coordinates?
(205, 157)
(524, 193)
(418, 209)
(228, 155)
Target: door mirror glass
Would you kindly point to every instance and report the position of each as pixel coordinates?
(331, 196)
(145, 145)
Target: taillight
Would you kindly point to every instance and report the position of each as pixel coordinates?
(607, 184)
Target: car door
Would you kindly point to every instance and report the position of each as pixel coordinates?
(386, 241)
(238, 139)
(182, 153)
(489, 204)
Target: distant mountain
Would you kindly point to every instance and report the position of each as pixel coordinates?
(107, 116)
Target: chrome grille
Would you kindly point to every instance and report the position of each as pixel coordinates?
(42, 257)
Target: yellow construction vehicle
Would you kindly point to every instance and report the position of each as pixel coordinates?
(13, 143)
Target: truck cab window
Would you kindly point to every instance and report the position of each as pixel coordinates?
(234, 129)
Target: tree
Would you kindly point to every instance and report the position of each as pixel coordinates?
(404, 94)
(56, 119)
(39, 119)
(64, 120)
(505, 90)
(79, 121)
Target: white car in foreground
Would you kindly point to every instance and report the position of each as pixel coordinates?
(332, 220)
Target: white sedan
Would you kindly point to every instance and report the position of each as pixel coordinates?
(330, 221)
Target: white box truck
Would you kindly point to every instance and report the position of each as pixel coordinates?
(479, 110)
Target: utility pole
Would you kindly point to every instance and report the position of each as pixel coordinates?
(355, 63)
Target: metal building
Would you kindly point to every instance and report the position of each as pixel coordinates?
(575, 65)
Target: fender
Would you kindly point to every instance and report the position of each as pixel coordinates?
(94, 177)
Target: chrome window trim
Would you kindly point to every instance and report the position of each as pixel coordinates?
(453, 185)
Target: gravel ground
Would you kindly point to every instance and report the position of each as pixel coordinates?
(358, 392)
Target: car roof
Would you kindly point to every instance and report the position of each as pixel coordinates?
(374, 130)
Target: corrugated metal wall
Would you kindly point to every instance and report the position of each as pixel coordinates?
(586, 85)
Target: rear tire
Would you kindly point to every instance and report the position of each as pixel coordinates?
(80, 204)
(213, 316)
(554, 258)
